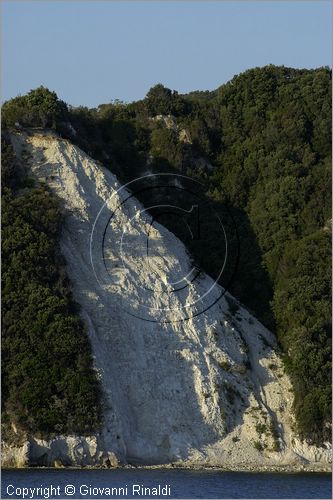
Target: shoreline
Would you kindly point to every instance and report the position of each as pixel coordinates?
(278, 469)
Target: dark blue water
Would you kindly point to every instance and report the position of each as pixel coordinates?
(183, 484)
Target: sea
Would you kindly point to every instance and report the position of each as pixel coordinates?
(159, 483)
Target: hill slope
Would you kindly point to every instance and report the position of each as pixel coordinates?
(208, 390)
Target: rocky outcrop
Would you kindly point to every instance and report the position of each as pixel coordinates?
(170, 122)
(59, 451)
(182, 382)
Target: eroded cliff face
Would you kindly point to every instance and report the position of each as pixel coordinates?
(206, 389)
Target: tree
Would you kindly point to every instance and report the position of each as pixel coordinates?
(39, 108)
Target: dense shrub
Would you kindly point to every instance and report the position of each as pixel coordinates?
(39, 108)
(48, 383)
(162, 101)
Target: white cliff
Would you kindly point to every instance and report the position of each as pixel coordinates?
(179, 385)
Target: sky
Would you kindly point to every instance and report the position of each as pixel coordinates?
(91, 52)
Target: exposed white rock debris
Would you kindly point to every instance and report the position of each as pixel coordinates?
(170, 122)
(207, 391)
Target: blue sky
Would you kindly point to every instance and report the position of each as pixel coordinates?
(91, 52)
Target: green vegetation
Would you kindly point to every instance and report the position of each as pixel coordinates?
(39, 108)
(225, 365)
(48, 383)
(275, 435)
(258, 446)
(261, 428)
(267, 136)
(163, 101)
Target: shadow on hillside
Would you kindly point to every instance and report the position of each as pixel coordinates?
(238, 267)
(243, 274)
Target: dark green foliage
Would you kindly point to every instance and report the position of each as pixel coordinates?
(162, 101)
(8, 167)
(258, 445)
(302, 308)
(283, 175)
(261, 428)
(39, 108)
(275, 164)
(48, 384)
(166, 148)
(225, 365)
(274, 432)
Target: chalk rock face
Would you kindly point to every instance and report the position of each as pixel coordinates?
(184, 381)
(59, 451)
(15, 455)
